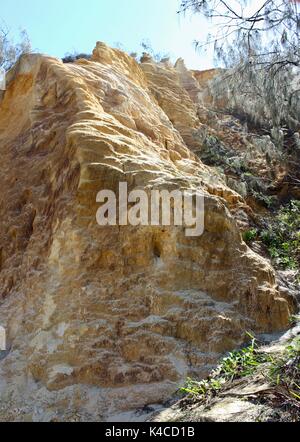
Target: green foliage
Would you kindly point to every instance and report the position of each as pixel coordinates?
(242, 363)
(285, 371)
(250, 235)
(204, 388)
(281, 370)
(294, 319)
(283, 237)
(262, 51)
(236, 365)
(216, 153)
(268, 201)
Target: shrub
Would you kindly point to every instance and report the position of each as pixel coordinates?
(285, 371)
(71, 58)
(283, 237)
(266, 200)
(250, 235)
(280, 369)
(237, 364)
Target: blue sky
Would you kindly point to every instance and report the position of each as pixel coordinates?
(56, 27)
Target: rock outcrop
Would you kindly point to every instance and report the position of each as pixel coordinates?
(102, 320)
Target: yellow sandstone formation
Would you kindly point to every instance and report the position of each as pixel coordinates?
(104, 320)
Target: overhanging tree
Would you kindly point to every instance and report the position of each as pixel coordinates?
(259, 41)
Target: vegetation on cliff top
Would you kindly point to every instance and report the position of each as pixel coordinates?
(11, 51)
(259, 42)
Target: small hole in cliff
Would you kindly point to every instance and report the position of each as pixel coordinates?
(157, 251)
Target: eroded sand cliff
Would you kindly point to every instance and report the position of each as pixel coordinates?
(102, 320)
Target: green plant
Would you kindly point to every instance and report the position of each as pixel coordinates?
(236, 365)
(268, 201)
(250, 235)
(283, 237)
(294, 320)
(281, 369)
(285, 371)
(242, 362)
(202, 388)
